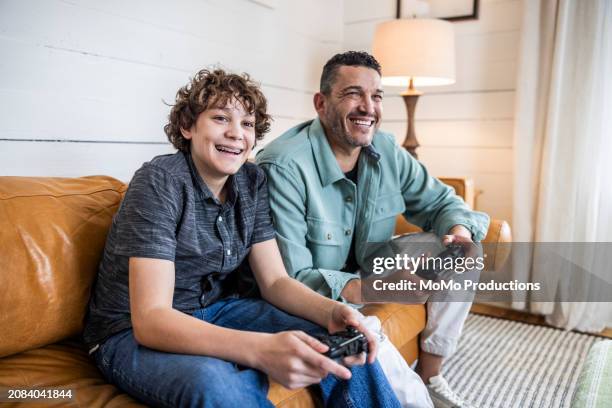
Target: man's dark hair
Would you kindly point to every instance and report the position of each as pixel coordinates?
(350, 58)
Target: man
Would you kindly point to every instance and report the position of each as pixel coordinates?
(337, 183)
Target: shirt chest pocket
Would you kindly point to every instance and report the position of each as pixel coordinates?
(386, 210)
(326, 240)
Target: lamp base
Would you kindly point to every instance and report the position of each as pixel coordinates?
(411, 143)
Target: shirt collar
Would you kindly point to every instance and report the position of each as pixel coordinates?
(327, 166)
(206, 194)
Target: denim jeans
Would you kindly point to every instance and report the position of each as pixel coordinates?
(179, 380)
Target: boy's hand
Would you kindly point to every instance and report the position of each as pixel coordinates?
(343, 316)
(294, 359)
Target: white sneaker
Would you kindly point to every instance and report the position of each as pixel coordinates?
(443, 396)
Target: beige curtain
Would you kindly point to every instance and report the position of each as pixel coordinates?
(563, 144)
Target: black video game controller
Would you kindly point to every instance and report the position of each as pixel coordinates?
(431, 272)
(345, 343)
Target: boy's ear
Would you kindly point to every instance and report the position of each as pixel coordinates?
(186, 133)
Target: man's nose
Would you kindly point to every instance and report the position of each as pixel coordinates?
(367, 105)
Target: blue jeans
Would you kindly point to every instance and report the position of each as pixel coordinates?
(181, 380)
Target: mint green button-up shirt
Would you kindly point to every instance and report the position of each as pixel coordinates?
(317, 210)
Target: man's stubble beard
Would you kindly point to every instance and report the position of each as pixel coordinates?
(339, 132)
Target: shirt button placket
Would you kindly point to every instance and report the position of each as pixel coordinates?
(225, 238)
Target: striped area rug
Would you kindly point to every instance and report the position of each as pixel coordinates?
(502, 363)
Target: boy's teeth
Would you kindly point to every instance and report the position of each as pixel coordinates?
(228, 150)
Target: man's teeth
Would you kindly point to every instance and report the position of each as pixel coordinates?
(362, 122)
(228, 149)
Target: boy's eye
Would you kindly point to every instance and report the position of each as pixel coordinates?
(219, 117)
(249, 124)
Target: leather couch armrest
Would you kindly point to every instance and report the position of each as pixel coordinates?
(496, 245)
(499, 232)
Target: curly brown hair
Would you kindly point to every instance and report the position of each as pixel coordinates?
(214, 89)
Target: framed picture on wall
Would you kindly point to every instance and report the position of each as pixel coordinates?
(454, 10)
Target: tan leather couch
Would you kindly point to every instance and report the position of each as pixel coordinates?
(52, 233)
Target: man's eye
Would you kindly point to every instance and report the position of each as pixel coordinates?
(378, 98)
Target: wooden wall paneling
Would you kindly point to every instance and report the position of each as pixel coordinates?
(89, 71)
(54, 159)
(494, 16)
(361, 10)
(52, 115)
(454, 106)
(183, 41)
(450, 133)
(289, 103)
(280, 126)
(452, 161)
(90, 98)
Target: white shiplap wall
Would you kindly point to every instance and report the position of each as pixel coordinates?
(82, 81)
(464, 129)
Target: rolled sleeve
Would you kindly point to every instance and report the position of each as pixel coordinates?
(336, 281)
(478, 225)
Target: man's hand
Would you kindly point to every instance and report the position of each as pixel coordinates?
(462, 236)
(352, 291)
(343, 316)
(294, 359)
(457, 234)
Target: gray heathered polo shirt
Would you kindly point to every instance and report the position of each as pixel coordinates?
(169, 213)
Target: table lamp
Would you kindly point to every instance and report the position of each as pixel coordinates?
(415, 52)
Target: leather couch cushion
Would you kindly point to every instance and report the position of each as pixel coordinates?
(52, 236)
(63, 365)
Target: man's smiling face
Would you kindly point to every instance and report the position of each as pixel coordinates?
(352, 112)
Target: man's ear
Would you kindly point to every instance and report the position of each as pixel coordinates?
(319, 102)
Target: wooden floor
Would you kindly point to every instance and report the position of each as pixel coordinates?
(519, 316)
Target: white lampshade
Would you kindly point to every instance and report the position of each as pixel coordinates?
(423, 49)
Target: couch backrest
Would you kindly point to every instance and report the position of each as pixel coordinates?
(52, 233)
